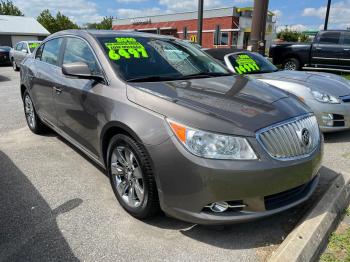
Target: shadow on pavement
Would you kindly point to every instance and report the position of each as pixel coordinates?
(28, 228)
(261, 233)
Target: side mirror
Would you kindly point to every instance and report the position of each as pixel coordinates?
(24, 51)
(79, 69)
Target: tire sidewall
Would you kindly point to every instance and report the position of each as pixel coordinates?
(35, 128)
(294, 61)
(126, 141)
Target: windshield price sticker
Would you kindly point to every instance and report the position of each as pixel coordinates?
(246, 65)
(126, 47)
(33, 45)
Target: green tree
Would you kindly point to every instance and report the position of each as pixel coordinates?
(292, 36)
(55, 24)
(8, 8)
(105, 24)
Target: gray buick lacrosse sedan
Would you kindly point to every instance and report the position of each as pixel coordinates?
(172, 127)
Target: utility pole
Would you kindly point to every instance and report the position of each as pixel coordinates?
(257, 37)
(200, 21)
(327, 15)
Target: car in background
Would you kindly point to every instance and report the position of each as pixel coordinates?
(330, 51)
(20, 51)
(173, 128)
(5, 55)
(328, 95)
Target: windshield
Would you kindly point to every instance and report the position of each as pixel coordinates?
(251, 63)
(155, 59)
(33, 45)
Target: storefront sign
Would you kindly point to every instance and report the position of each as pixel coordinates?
(140, 21)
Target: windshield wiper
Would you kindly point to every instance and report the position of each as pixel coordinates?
(151, 78)
(205, 75)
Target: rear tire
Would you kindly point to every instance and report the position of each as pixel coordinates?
(291, 64)
(34, 123)
(14, 65)
(131, 176)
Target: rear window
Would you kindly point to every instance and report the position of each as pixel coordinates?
(251, 63)
(140, 57)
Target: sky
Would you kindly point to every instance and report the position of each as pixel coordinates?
(297, 14)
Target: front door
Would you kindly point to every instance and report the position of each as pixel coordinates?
(77, 103)
(327, 49)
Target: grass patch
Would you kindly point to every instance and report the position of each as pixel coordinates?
(338, 249)
(347, 76)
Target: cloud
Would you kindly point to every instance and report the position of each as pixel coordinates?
(338, 17)
(188, 5)
(130, 1)
(79, 11)
(296, 27)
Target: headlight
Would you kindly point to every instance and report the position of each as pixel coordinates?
(211, 145)
(325, 98)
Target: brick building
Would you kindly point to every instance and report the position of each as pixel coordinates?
(222, 27)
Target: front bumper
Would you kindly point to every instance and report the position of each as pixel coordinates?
(187, 184)
(341, 113)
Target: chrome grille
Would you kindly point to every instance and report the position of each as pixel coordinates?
(288, 140)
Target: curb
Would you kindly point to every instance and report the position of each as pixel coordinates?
(305, 242)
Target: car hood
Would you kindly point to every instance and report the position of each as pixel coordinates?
(234, 105)
(333, 84)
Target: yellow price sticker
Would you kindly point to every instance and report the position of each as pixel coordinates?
(126, 47)
(245, 64)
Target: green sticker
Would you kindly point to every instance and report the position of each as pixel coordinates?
(33, 45)
(245, 64)
(126, 47)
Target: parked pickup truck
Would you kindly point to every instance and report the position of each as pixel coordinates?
(330, 50)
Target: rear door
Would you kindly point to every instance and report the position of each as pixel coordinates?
(327, 49)
(46, 78)
(77, 103)
(345, 58)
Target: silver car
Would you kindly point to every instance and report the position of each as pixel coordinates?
(328, 95)
(22, 50)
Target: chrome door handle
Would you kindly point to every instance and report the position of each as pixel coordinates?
(318, 48)
(346, 49)
(57, 90)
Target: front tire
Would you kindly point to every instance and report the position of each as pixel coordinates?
(33, 120)
(291, 64)
(131, 176)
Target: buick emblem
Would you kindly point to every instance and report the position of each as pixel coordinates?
(305, 137)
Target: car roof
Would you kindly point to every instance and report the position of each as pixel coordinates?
(107, 33)
(220, 53)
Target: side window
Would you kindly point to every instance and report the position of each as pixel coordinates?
(19, 47)
(51, 51)
(24, 47)
(346, 38)
(39, 52)
(78, 50)
(329, 38)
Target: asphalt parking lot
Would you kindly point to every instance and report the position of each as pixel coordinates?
(55, 204)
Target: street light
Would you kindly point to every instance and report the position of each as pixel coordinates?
(327, 15)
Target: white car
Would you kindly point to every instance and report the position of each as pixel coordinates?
(20, 51)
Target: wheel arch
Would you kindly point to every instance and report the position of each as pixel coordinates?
(111, 129)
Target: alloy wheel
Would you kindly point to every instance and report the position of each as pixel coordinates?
(29, 111)
(290, 65)
(128, 176)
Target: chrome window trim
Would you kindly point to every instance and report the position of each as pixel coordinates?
(290, 120)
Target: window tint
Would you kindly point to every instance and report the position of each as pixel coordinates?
(51, 51)
(19, 47)
(39, 52)
(347, 39)
(224, 38)
(330, 38)
(78, 50)
(24, 47)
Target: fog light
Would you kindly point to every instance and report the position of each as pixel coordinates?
(327, 119)
(219, 207)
